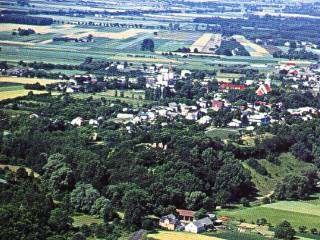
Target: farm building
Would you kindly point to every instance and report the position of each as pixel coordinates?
(185, 215)
(199, 226)
(169, 222)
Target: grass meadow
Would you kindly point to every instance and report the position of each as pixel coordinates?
(298, 213)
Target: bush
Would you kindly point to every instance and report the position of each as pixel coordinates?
(284, 231)
(245, 202)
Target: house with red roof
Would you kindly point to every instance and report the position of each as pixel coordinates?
(228, 86)
(185, 215)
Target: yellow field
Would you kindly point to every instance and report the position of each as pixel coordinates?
(202, 42)
(166, 235)
(19, 93)
(257, 51)
(15, 168)
(39, 29)
(111, 35)
(24, 80)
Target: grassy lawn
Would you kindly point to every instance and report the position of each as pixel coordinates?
(297, 213)
(110, 95)
(168, 235)
(315, 199)
(295, 206)
(227, 77)
(222, 133)
(82, 219)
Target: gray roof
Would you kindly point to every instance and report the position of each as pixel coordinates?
(203, 222)
(172, 219)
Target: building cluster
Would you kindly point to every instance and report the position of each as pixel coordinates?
(246, 114)
(306, 78)
(183, 220)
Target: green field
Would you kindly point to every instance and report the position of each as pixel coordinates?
(297, 213)
(137, 100)
(222, 133)
(10, 88)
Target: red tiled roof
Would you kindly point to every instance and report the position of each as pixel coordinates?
(232, 86)
(185, 213)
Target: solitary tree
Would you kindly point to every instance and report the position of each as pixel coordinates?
(147, 45)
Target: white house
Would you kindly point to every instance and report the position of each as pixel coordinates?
(235, 123)
(205, 120)
(78, 121)
(199, 226)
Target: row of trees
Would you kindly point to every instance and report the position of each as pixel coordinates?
(24, 19)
